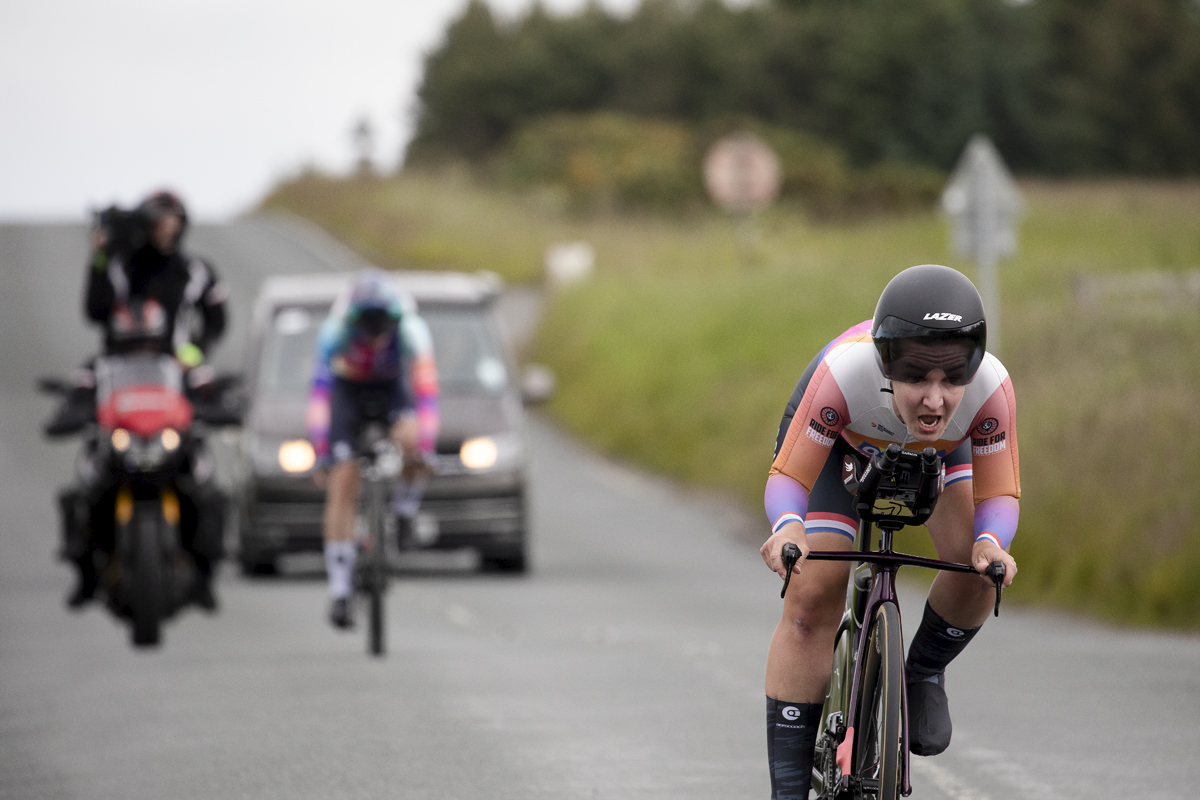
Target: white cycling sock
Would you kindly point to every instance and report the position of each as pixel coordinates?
(339, 565)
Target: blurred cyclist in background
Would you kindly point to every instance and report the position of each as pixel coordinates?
(146, 294)
(373, 348)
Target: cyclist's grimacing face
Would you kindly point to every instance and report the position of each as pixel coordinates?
(926, 406)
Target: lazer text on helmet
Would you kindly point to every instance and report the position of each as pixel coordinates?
(944, 317)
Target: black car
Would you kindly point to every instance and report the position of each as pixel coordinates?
(476, 498)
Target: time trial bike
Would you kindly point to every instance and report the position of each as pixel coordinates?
(379, 464)
(862, 737)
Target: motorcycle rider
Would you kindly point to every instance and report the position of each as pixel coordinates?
(373, 345)
(146, 293)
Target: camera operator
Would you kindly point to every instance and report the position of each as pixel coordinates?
(138, 255)
(136, 264)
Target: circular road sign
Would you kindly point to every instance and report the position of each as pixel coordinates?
(742, 173)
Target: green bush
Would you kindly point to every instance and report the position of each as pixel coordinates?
(607, 161)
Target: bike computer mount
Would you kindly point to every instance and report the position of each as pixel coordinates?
(898, 487)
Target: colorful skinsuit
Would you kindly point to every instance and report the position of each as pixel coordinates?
(405, 356)
(847, 396)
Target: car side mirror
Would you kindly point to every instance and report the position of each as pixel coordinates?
(537, 384)
(51, 384)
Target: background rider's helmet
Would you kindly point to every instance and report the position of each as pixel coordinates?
(929, 317)
(159, 204)
(375, 303)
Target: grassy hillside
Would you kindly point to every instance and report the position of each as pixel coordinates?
(680, 357)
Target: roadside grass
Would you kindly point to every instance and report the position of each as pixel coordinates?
(680, 356)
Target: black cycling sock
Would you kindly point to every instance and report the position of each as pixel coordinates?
(935, 645)
(791, 737)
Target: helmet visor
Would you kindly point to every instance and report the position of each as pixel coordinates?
(374, 321)
(908, 353)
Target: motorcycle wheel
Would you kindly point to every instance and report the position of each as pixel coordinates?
(148, 578)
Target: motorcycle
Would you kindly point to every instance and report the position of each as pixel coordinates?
(145, 512)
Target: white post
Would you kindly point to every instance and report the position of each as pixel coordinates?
(983, 204)
(986, 250)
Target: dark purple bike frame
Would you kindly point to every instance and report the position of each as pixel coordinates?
(883, 590)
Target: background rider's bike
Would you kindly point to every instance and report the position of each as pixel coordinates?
(862, 739)
(379, 464)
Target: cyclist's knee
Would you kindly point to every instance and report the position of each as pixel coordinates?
(815, 601)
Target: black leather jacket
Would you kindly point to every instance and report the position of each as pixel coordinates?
(186, 287)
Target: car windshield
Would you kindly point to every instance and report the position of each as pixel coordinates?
(120, 372)
(469, 358)
(289, 348)
(468, 355)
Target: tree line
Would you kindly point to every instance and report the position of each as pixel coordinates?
(1061, 86)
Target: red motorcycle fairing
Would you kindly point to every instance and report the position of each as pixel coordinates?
(145, 410)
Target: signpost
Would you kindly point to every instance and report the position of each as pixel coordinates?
(743, 175)
(983, 204)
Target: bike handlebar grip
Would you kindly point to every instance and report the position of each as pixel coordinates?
(996, 571)
(790, 554)
(929, 461)
(889, 458)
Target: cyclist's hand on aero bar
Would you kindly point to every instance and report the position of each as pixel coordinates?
(985, 552)
(416, 466)
(792, 532)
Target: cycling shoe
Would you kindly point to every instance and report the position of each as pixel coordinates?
(340, 614)
(203, 596)
(83, 593)
(928, 715)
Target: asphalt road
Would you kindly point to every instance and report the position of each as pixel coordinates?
(627, 665)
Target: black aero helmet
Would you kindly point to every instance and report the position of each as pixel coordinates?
(923, 312)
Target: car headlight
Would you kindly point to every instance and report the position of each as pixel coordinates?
(490, 452)
(479, 453)
(297, 456)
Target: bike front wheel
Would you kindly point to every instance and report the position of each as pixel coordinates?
(377, 579)
(879, 729)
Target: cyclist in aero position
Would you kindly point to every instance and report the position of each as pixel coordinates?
(916, 373)
(372, 344)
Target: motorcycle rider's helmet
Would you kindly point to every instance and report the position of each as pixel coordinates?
(929, 317)
(375, 303)
(158, 205)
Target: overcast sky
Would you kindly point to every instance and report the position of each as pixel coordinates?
(102, 102)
